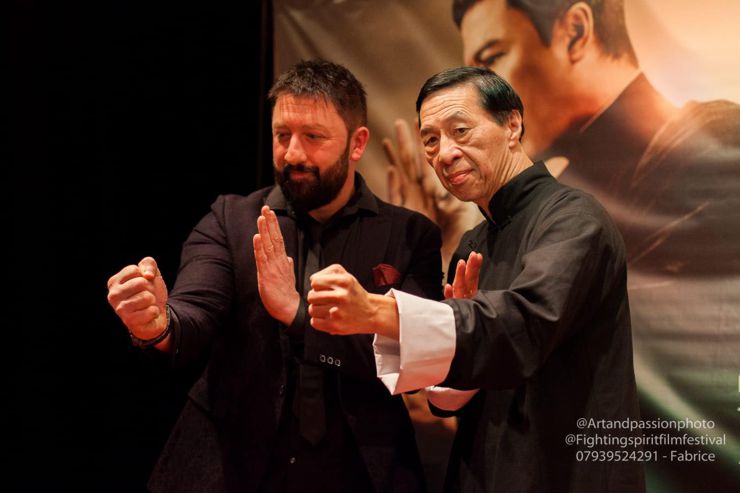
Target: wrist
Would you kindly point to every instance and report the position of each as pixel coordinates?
(157, 340)
(384, 320)
(299, 319)
(288, 318)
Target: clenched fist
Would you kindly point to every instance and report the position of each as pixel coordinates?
(340, 305)
(138, 295)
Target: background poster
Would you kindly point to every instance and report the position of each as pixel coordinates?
(679, 212)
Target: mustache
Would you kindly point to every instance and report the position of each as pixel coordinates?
(290, 168)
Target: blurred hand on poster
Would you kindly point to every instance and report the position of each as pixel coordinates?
(412, 184)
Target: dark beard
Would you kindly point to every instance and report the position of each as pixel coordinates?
(311, 194)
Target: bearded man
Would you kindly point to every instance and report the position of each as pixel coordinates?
(280, 406)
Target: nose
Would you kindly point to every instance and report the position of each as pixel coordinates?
(449, 152)
(295, 153)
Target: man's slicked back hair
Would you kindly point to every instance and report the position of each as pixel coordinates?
(324, 80)
(496, 95)
(609, 21)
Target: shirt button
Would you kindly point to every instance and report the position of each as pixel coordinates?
(292, 460)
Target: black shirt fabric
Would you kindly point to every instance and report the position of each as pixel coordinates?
(334, 463)
(547, 340)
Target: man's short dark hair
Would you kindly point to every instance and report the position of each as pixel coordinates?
(609, 21)
(325, 80)
(497, 95)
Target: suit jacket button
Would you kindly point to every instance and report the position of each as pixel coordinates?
(281, 390)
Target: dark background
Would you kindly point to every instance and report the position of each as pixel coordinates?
(127, 118)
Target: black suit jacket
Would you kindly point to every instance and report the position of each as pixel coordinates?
(224, 437)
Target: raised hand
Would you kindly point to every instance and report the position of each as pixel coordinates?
(411, 181)
(275, 274)
(138, 295)
(465, 284)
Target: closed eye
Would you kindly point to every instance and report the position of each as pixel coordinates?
(487, 55)
(490, 60)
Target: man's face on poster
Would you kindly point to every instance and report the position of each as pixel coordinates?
(504, 40)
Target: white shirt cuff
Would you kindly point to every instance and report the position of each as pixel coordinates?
(423, 354)
(448, 399)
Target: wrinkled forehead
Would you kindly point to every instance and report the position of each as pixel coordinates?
(304, 102)
(316, 109)
(455, 102)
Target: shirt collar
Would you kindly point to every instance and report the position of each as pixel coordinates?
(362, 199)
(516, 195)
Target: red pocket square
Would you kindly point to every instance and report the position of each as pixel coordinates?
(385, 275)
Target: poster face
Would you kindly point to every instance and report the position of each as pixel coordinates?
(637, 109)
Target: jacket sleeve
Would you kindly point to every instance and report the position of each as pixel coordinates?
(424, 275)
(202, 294)
(573, 259)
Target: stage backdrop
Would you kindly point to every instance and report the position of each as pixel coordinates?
(677, 207)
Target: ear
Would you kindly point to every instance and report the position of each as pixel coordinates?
(358, 143)
(576, 28)
(514, 127)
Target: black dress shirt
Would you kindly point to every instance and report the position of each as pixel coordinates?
(334, 463)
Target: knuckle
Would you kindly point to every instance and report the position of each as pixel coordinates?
(125, 306)
(344, 280)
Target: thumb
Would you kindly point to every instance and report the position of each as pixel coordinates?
(332, 269)
(448, 293)
(148, 268)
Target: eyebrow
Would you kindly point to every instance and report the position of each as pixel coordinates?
(478, 57)
(315, 126)
(457, 115)
(307, 127)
